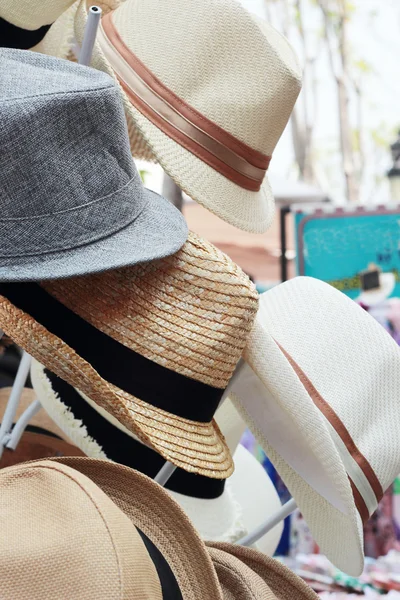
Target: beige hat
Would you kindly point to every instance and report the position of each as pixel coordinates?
(320, 389)
(207, 90)
(220, 510)
(63, 537)
(155, 345)
(32, 14)
(246, 574)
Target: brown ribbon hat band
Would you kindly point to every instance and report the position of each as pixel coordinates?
(229, 156)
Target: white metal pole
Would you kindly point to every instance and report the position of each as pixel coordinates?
(14, 398)
(89, 36)
(22, 423)
(269, 524)
(165, 473)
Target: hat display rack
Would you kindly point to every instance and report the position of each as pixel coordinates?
(10, 436)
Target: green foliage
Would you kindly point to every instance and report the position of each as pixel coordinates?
(143, 174)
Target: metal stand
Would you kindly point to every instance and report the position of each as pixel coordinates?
(13, 401)
(269, 524)
(165, 473)
(22, 424)
(89, 37)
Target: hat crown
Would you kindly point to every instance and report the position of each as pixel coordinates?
(68, 178)
(29, 15)
(175, 311)
(70, 539)
(238, 73)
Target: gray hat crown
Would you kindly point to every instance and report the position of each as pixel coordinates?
(67, 175)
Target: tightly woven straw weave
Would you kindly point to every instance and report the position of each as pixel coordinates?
(161, 519)
(191, 313)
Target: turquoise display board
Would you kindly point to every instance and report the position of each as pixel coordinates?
(337, 246)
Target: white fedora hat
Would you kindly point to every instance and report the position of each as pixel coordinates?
(320, 389)
(207, 90)
(221, 511)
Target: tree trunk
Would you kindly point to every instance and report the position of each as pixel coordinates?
(172, 192)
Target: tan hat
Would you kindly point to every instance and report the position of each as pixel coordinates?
(62, 537)
(40, 420)
(208, 91)
(164, 338)
(320, 389)
(156, 515)
(247, 574)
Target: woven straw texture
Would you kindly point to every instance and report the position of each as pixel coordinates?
(355, 366)
(239, 73)
(32, 14)
(69, 541)
(190, 313)
(160, 518)
(280, 583)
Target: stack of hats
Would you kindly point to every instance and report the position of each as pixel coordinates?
(135, 324)
(139, 329)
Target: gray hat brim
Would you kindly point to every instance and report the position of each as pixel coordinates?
(159, 230)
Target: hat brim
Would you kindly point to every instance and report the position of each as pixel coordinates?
(279, 412)
(283, 583)
(193, 446)
(160, 518)
(226, 518)
(159, 231)
(250, 211)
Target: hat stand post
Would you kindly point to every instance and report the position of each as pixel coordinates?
(165, 473)
(89, 36)
(13, 401)
(269, 524)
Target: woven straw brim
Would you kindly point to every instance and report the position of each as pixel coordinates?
(338, 534)
(196, 447)
(161, 519)
(281, 581)
(250, 211)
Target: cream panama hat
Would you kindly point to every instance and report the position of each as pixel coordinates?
(207, 90)
(320, 389)
(33, 14)
(220, 510)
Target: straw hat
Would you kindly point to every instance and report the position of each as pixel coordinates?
(220, 510)
(320, 390)
(375, 286)
(178, 324)
(87, 211)
(207, 90)
(249, 574)
(74, 540)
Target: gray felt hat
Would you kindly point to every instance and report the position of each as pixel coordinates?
(71, 199)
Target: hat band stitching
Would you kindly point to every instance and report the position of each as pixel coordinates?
(177, 119)
(348, 443)
(85, 224)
